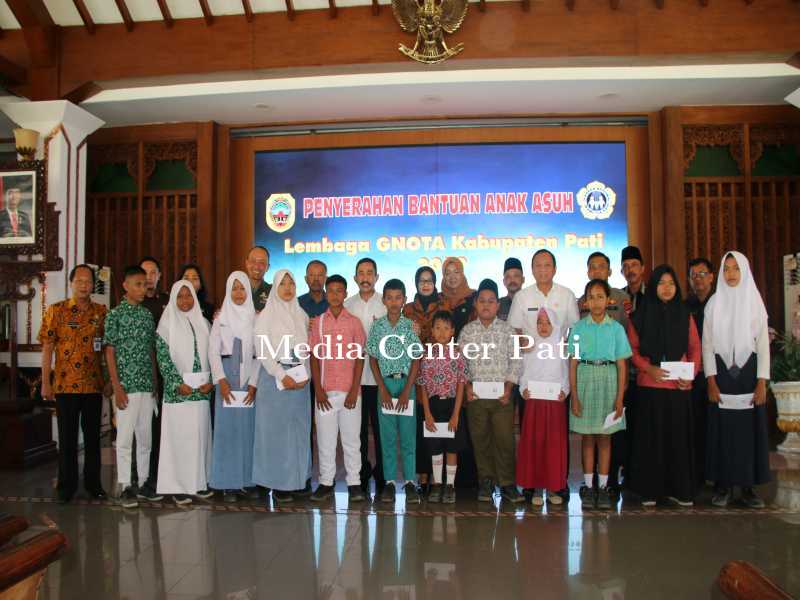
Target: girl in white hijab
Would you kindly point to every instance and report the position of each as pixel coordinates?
(182, 352)
(282, 452)
(235, 371)
(542, 451)
(736, 363)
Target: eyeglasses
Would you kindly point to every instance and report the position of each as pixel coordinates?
(426, 281)
(699, 275)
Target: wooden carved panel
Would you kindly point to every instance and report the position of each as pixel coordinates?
(127, 154)
(713, 135)
(185, 151)
(772, 135)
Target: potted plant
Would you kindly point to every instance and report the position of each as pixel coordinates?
(785, 385)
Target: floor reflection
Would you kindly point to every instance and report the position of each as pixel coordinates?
(335, 554)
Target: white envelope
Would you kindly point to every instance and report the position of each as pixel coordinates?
(736, 401)
(336, 400)
(544, 390)
(408, 412)
(488, 390)
(442, 431)
(297, 373)
(195, 380)
(611, 421)
(679, 370)
(238, 401)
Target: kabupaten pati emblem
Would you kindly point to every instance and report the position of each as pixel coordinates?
(430, 19)
(280, 212)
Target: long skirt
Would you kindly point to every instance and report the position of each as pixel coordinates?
(234, 428)
(738, 444)
(185, 459)
(282, 447)
(662, 461)
(542, 454)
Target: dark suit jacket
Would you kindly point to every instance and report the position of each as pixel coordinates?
(24, 228)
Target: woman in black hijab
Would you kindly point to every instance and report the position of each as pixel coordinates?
(662, 330)
(421, 310)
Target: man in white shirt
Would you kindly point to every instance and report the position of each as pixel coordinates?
(368, 306)
(544, 293)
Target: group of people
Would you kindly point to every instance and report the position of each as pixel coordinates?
(665, 393)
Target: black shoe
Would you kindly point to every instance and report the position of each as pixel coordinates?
(230, 496)
(258, 491)
(750, 499)
(721, 497)
(588, 497)
(64, 498)
(511, 493)
(389, 492)
(282, 497)
(435, 495)
(147, 492)
(412, 492)
(604, 499)
(486, 491)
(98, 494)
(181, 499)
(449, 495)
(563, 493)
(127, 499)
(305, 492)
(354, 493)
(205, 494)
(323, 492)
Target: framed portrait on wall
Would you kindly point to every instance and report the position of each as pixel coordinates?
(22, 222)
(17, 207)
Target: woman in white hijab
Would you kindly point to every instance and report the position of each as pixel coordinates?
(182, 352)
(282, 451)
(736, 363)
(542, 451)
(234, 369)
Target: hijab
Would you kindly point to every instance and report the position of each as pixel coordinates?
(180, 330)
(738, 315)
(455, 295)
(425, 301)
(663, 327)
(282, 318)
(238, 321)
(551, 367)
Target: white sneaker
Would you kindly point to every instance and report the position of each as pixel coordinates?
(675, 500)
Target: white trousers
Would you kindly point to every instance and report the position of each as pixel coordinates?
(136, 419)
(330, 424)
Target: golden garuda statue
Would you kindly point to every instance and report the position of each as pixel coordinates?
(427, 19)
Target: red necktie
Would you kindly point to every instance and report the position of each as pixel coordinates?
(14, 221)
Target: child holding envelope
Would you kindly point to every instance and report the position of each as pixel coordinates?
(182, 354)
(442, 379)
(389, 347)
(661, 333)
(337, 392)
(492, 371)
(542, 452)
(235, 371)
(598, 348)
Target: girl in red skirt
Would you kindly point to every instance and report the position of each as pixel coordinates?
(542, 452)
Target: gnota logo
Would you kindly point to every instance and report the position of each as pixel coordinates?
(280, 212)
(597, 201)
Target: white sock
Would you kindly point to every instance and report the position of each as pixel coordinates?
(603, 480)
(451, 474)
(588, 479)
(437, 462)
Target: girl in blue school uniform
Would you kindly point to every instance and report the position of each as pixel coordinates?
(598, 348)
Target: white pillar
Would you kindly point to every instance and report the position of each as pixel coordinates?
(794, 98)
(63, 128)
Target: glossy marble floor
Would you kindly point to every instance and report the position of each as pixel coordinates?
(468, 550)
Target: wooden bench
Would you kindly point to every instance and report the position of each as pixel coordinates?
(22, 566)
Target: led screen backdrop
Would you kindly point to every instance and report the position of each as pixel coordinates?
(408, 206)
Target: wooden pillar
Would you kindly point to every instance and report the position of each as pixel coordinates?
(674, 211)
(656, 160)
(206, 214)
(222, 209)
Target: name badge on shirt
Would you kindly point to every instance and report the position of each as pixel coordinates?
(97, 344)
(73, 324)
(533, 308)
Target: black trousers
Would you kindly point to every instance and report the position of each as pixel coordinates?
(622, 441)
(369, 414)
(74, 410)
